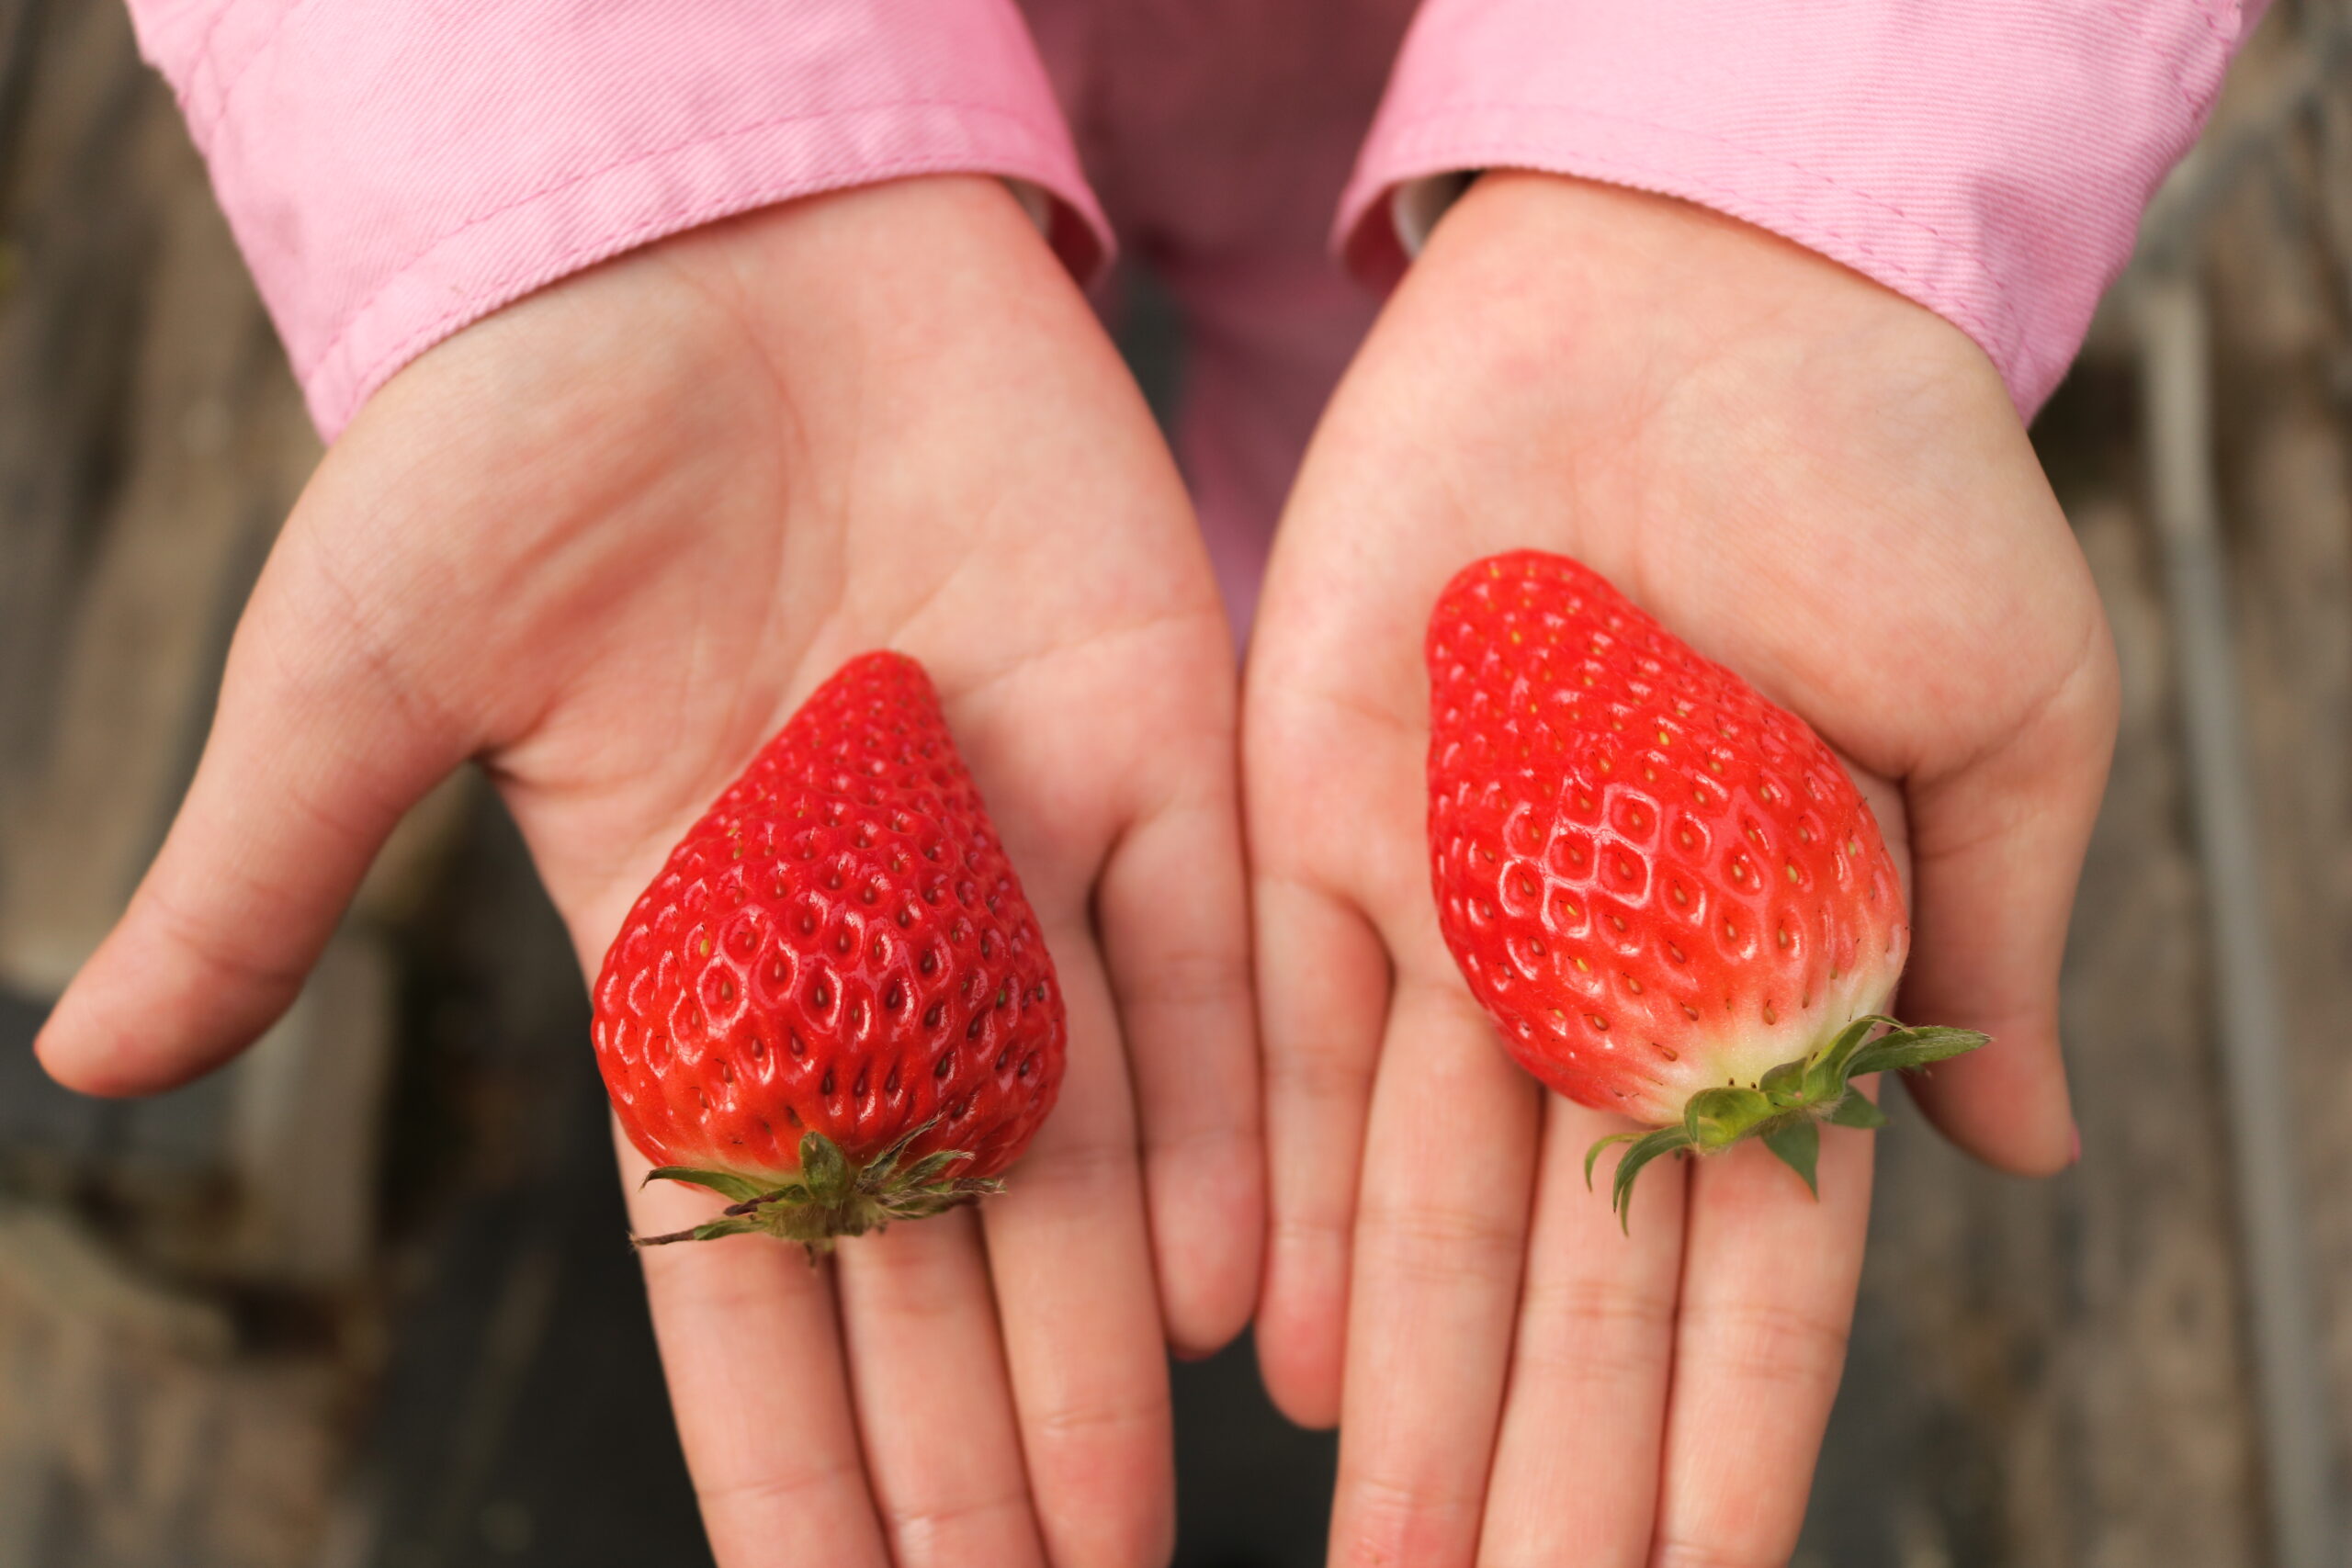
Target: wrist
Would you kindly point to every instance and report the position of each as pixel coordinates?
(1628, 288)
(878, 259)
(851, 283)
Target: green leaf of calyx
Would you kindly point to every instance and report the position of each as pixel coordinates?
(822, 1167)
(1664, 1140)
(1718, 1118)
(709, 1230)
(1907, 1048)
(931, 1166)
(1593, 1154)
(1856, 1110)
(1825, 1077)
(1784, 1085)
(1798, 1144)
(879, 1168)
(1786, 1106)
(742, 1189)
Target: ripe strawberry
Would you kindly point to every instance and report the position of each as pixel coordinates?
(1664, 889)
(833, 1005)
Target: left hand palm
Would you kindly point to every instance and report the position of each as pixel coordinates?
(1821, 486)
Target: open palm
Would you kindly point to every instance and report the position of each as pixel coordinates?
(604, 542)
(1821, 486)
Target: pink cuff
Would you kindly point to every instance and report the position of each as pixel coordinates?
(1989, 159)
(395, 170)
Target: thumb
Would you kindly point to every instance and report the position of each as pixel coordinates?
(315, 753)
(1997, 845)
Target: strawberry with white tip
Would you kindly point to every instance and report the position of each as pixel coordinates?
(1664, 889)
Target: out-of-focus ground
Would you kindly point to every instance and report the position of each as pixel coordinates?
(429, 1351)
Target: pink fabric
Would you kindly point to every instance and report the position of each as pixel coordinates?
(1219, 134)
(395, 169)
(1987, 158)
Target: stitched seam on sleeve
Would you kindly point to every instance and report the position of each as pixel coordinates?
(2020, 371)
(363, 383)
(408, 264)
(1434, 118)
(2195, 100)
(2224, 20)
(269, 42)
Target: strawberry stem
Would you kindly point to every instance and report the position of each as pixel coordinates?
(831, 1196)
(1784, 1109)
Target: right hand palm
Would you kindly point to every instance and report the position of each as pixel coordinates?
(605, 541)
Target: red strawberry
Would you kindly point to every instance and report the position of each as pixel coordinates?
(833, 1005)
(1664, 889)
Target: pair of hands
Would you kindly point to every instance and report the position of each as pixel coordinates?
(607, 539)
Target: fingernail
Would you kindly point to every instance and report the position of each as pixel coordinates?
(2074, 1155)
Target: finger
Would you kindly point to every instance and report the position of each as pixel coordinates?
(1071, 1263)
(753, 1356)
(927, 1375)
(1323, 997)
(1768, 1276)
(314, 754)
(1176, 935)
(1450, 1161)
(1576, 1463)
(1997, 849)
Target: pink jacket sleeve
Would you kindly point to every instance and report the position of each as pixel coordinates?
(1989, 159)
(395, 169)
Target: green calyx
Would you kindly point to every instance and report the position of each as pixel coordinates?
(1786, 1108)
(831, 1197)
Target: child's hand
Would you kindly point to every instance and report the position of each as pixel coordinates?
(1822, 486)
(606, 541)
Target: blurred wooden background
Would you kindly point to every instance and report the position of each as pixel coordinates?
(429, 1352)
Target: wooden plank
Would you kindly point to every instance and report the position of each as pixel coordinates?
(130, 1432)
(2280, 270)
(2055, 1374)
(161, 441)
(305, 1125)
(151, 439)
(2048, 1374)
(143, 501)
